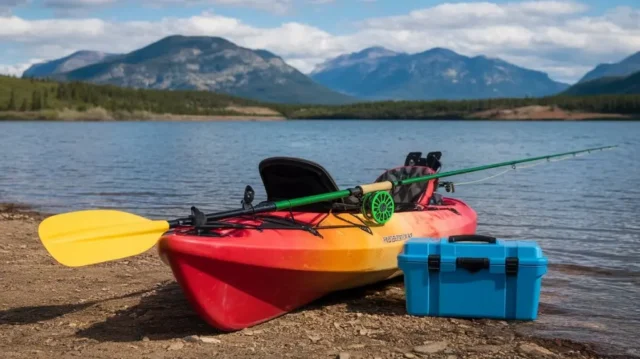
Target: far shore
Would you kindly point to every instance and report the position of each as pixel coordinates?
(237, 113)
(541, 113)
(100, 114)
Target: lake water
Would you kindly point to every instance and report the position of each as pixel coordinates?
(584, 212)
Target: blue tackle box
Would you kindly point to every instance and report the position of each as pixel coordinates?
(472, 276)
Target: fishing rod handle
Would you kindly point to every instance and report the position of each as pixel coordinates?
(375, 187)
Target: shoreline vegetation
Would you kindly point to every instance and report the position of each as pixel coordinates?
(45, 100)
(121, 307)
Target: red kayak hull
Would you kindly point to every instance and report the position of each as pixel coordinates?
(247, 277)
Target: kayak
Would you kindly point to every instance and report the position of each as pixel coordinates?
(241, 267)
(245, 270)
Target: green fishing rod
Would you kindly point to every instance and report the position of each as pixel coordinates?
(94, 236)
(389, 185)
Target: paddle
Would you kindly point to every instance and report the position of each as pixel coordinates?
(94, 236)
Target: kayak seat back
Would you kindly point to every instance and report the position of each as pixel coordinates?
(289, 177)
(411, 196)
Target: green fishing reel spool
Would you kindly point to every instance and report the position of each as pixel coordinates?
(378, 206)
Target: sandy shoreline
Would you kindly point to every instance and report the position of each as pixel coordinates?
(133, 308)
(237, 113)
(99, 114)
(543, 113)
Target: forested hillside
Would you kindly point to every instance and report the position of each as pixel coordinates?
(35, 94)
(19, 96)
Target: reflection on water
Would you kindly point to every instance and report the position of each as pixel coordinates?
(583, 211)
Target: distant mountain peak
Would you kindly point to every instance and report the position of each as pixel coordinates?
(366, 55)
(626, 67)
(440, 51)
(70, 62)
(607, 86)
(632, 59)
(207, 63)
(376, 51)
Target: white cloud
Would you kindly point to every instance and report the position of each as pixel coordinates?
(17, 69)
(553, 36)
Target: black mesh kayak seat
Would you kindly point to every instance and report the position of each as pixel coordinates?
(289, 177)
(412, 196)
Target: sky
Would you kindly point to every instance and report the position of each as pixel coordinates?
(562, 38)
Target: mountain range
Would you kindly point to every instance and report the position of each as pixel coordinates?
(375, 73)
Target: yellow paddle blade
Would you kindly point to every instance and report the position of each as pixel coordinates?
(94, 236)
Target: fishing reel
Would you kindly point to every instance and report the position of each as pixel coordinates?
(378, 206)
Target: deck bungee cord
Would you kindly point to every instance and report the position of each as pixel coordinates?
(93, 236)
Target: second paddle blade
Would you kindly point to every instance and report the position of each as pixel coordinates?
(94, 236)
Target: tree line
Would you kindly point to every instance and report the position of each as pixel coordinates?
(608, 104)
(41, 94)
(46, 94)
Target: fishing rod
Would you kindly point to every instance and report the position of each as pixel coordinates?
(93, 236)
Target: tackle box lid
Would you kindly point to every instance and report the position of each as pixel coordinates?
(497, 251)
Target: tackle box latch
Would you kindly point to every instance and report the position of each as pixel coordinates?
(434, 262)
(511, 265)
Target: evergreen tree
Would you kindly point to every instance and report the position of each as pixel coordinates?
(36, 102)
(11, 106)
(45, 102)
(23, 107)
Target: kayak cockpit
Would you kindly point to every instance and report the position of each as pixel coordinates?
(287, 178)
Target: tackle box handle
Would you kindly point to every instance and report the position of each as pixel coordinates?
(472, 238)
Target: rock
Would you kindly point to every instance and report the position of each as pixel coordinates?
(409, 355)
(357, 346)
(452, 357)
(210, 340)
(337, 325)
(534, 350)
(431, 348)
(191, 339)
(314, 338)
(176, 346)
(344, 355)
(364, 332)
(145, 339)
(485, 349)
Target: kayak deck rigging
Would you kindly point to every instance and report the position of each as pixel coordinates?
(287, 177)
